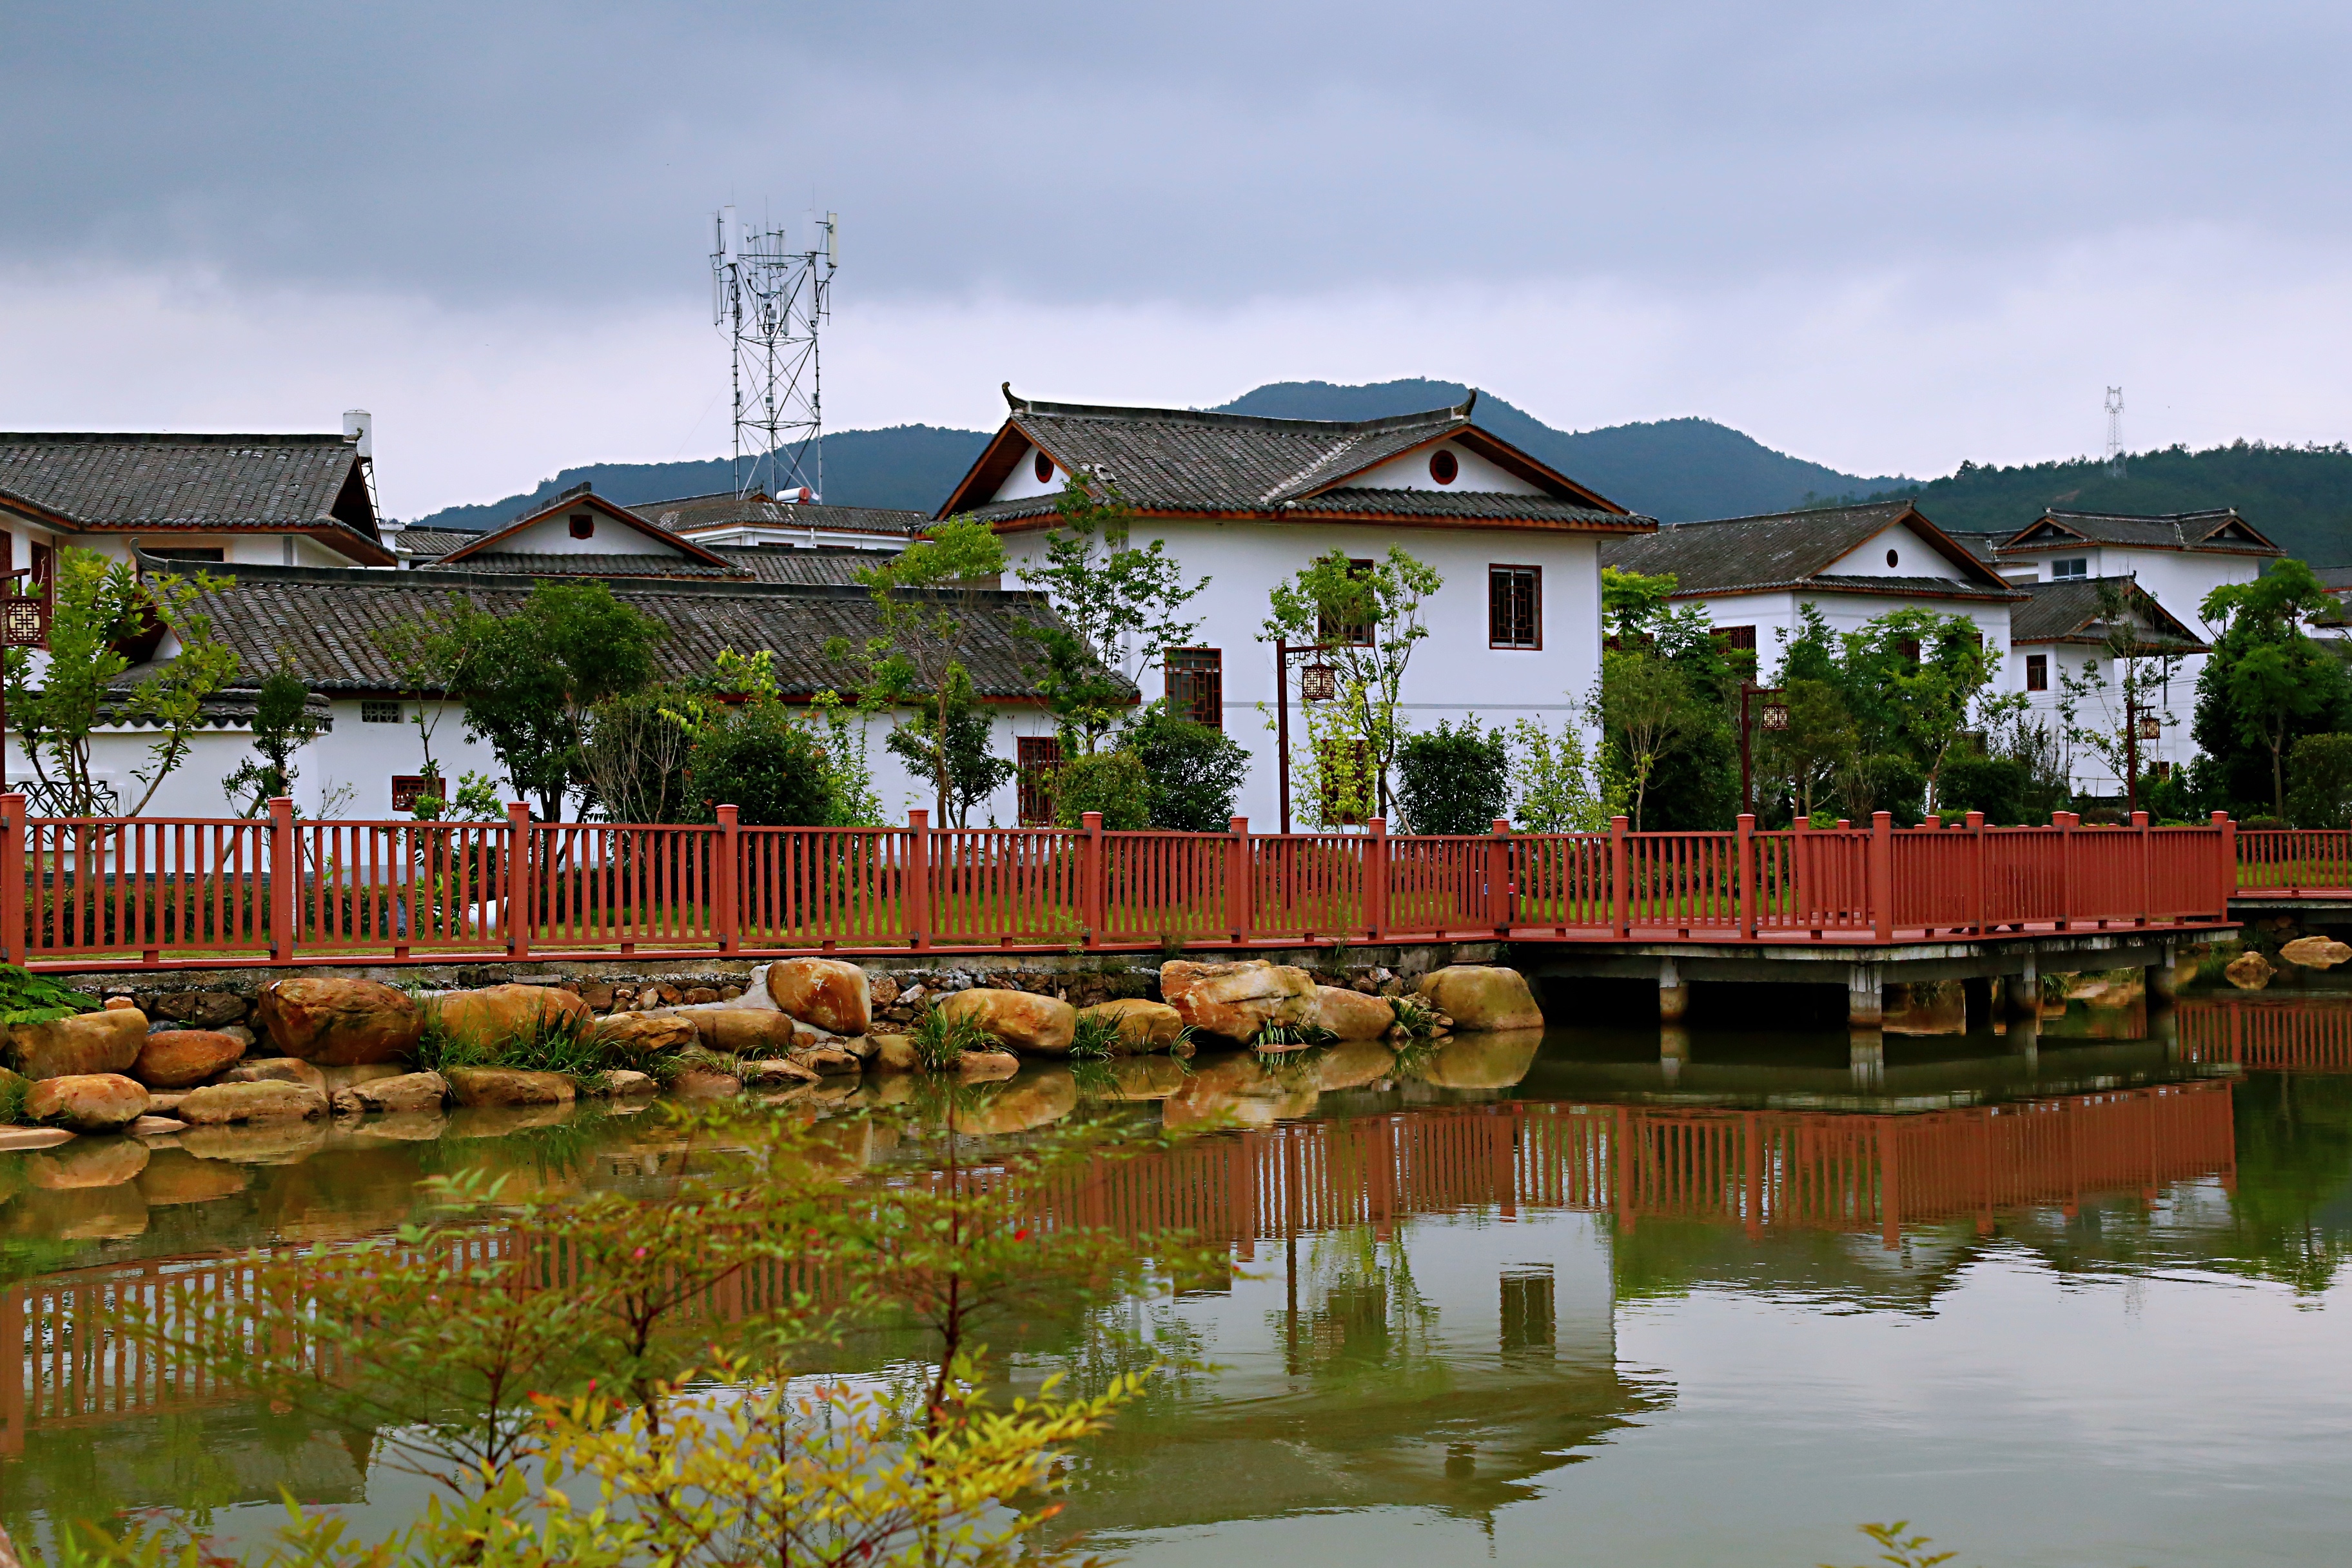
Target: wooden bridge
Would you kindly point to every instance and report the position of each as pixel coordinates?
(1763, 1171)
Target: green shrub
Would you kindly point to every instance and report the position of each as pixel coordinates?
(762, 762)
(2319, 781)
(1454, 780)
(1896, 786)
(29, 998)
(1192, 773)
(1109, 782)
(1994, 785)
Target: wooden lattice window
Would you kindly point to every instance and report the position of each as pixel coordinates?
(1039, 758)
(1357, 633)
(1196, 684)
(1515, 606)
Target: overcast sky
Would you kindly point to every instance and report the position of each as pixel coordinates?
(1887, 236)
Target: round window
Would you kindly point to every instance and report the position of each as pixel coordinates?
(1444, 467)
(1891, 558)
(1045, 468)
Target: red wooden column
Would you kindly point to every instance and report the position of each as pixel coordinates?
(915, 892)
(284, 879)
(2146, 865)
(1376, 879)
(727, 879)
(1977, 891)
(514, 870)
(1091, 869)
(14, 935)
(2225, 833)
(2064, 821)
(1620, 906)
(1747, 875)
(1237, 879)
(1882, 875)
(1498, 878)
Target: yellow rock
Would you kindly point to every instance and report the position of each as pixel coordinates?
(1479, 996)
(107, 1041)
(1041, 1025)
(826, 992)
(1235, 1001)
(1351, 1014)
(496, 1013)
(1143, 1025)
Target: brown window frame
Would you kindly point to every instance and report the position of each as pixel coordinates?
(407, 787)
(1499, 573)
(1038, 759)
(583, 524)
(2037, 672)
(1193, 681)
(1736, 639)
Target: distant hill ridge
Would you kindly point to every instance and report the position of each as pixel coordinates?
(1677, 470)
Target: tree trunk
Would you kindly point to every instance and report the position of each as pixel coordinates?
(939, 753)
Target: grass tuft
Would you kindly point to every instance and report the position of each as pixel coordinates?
(1416, 1017)
(941, 1039)
(550, 1041)
(14, 1092)
(1094, 1038)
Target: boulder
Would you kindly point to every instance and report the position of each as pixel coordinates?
(2316, 953)
(1236, 1001)
(826, 1062)
(15, 1138)
(1476, 996)
(1494, 1058)
(1351, 1015)
(276, 1069)
(1041, 1025)
(165, 1102)
(155, 1127)
(750, 1031)
(92, 1163)
(339, 1023)
(1037, 1097)
(2250, 971)
(986, 1066)
(499, 1013)
(184, 1058)
(620, 1082)
(337, 1079)
(86, 1102)
(825, 992)
(1143, 1025)
(642, 1034)
(771, 1072)
(893, 1053)
(197, 1009)
(882, 991)
(101, 1042)
(175, 1177)
(409, 1092)
(508, 1086)
(216, 1104)
(705, 1083)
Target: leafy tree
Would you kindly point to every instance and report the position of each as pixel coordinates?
(531, 681)
(1192, 771)
(758, 758)
(98, 609)
(947, 742)
(632, 768)
(1454, 780)
(2099, 715)
(1646, 708)
(283, 725)
(2266, 682)
(2321, 796)
(1111, 783)
(1553, 782)
(1118, 606)
(1926, 679)
(927, 593)
(1997, 786)
(1369, 620)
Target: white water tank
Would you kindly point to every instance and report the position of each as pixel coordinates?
(359, 428)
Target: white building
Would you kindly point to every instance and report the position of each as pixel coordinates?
(1756, 575)
(1514, 633)
(2072, 632)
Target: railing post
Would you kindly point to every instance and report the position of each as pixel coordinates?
(2226, 832)
(2064, 821)
(514, 870)
(1976, 870)
(727, 879)
(1800, 872)
(1376, 879)
(1882, 875)
(2146, 865)
(1093, 871)
(1746, 893)
(1498, 878)
(284, 879)
(12, 931)
(1620, 912)
(916, 892)
(1237, 879)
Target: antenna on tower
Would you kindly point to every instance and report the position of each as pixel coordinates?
(769, 300)
(2115, 431)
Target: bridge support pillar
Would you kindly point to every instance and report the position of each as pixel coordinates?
(1976, 998)
(1674, 1051)
(1867, 1056)
(1865, 1002)
(1673, 996)
(2025, 992)
(2024, 1035)
(2160, 977)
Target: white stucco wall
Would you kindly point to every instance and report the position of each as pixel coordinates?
(1775, 617)
(1411, 472)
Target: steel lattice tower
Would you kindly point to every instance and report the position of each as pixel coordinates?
(2115, 431)
(770, 299)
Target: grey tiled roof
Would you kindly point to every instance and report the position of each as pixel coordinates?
(1181, 461)
(1790, 550)
(169, 481)
(541, 564)
(812, 567)
(329, 620)
(431, 542)
(2069, 611)
(2220, 531)
(718, 510)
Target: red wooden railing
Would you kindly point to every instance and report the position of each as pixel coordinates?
(85, 893)
(2295, 861)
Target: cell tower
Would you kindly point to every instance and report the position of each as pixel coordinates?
(770, 299)
(2115, 431)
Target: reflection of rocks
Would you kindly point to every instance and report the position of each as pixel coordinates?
(404, 1126)
(888, 1089)
(2316, 953)
(1039, 1026)
(1037, 1097)
(1494, 1058)
(339, 1023)
(87, 1162)
(1351, 1064)
(1476, 996)
(825, 992)
(1143, 1025)
(987, 1066)
(705, 1083)
(175, 1177)
(498, 1121)
(2250, 972)
(258, 1143)
(81, 1214)
(101, 1042)
(86, 1102)
(1236, 1001)
(1134, 1077)
(1238, 1089)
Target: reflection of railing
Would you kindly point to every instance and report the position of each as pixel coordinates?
(2282, 1033)
(1759, 1170)
(169, 892)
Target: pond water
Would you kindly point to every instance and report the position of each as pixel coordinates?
(2073, 1298)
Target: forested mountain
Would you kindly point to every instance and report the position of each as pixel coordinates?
(2300, 496)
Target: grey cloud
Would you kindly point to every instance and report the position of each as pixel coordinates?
(477, 155)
